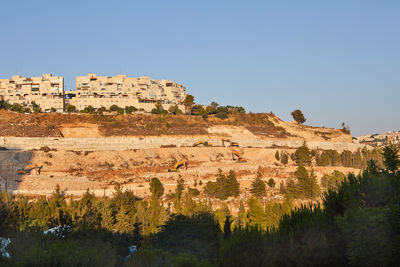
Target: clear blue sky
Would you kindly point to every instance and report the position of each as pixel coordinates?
(335, 60)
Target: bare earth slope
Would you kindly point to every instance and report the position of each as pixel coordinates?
(84, 125)
(79, 151)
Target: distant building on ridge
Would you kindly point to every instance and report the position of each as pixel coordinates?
(46, 91)
(91, 90)
(142, 93)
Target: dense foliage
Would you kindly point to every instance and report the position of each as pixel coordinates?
(357, 224)
(224, 187)
(303, 156)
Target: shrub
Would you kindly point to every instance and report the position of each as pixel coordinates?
(174, 109)
(70, 108)
(130, 109)
(221, 115)
(284, 158)
(271, 183)
(89, 109)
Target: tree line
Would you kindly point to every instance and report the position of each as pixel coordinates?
(306, 157)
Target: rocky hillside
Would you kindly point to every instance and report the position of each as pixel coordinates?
(265, 126)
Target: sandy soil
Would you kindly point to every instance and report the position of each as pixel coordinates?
(100, 171)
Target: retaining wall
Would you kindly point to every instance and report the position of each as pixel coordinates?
(126, 143)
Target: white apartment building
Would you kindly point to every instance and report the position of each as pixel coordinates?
(47, 91)
(142, 93)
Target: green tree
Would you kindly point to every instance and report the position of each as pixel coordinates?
(35, 107)
(322, 159)
(188, 103)
(391, 158)
(305, 187)
(114, 108)
(204, 232)
(298, 116)
(372, 168)
(303, 156)
(258, 187)
(4, 105)
(224, 187)
(70, 108)
(174, 109)
(158, 108)
(89, 109)
(130, 109)
(271, 182)
(156, 188)
(180, 186)
(255, 213)
(347, 158)
(233, 184)
(334, 180)
(241, 214)
(277, 155)
(357, 159)
(345, 128)
(284, 158)
(227, 227)
(156, 216)
(17, 107)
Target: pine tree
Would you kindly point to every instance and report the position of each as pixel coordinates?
(271, 182)
(233, 184)
(107, 215)
(258, 188)
(227, 227)
(156, 216)
(256, 214)
(303, 156)
(284, 158)
(277, 155)
(391, 158)
(188, 102)
(124, 220)
(156, 188)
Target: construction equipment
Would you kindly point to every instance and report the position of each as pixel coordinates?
(204, 143)
(29, 168)
(234, 144)
(237, 156)
(178, 165)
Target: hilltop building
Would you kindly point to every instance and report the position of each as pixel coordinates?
(91, 90)
(379, 139)
(142, 93)
(47, 91)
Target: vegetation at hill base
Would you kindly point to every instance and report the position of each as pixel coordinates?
(355, 224)
(303, 156)
(175, 123)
